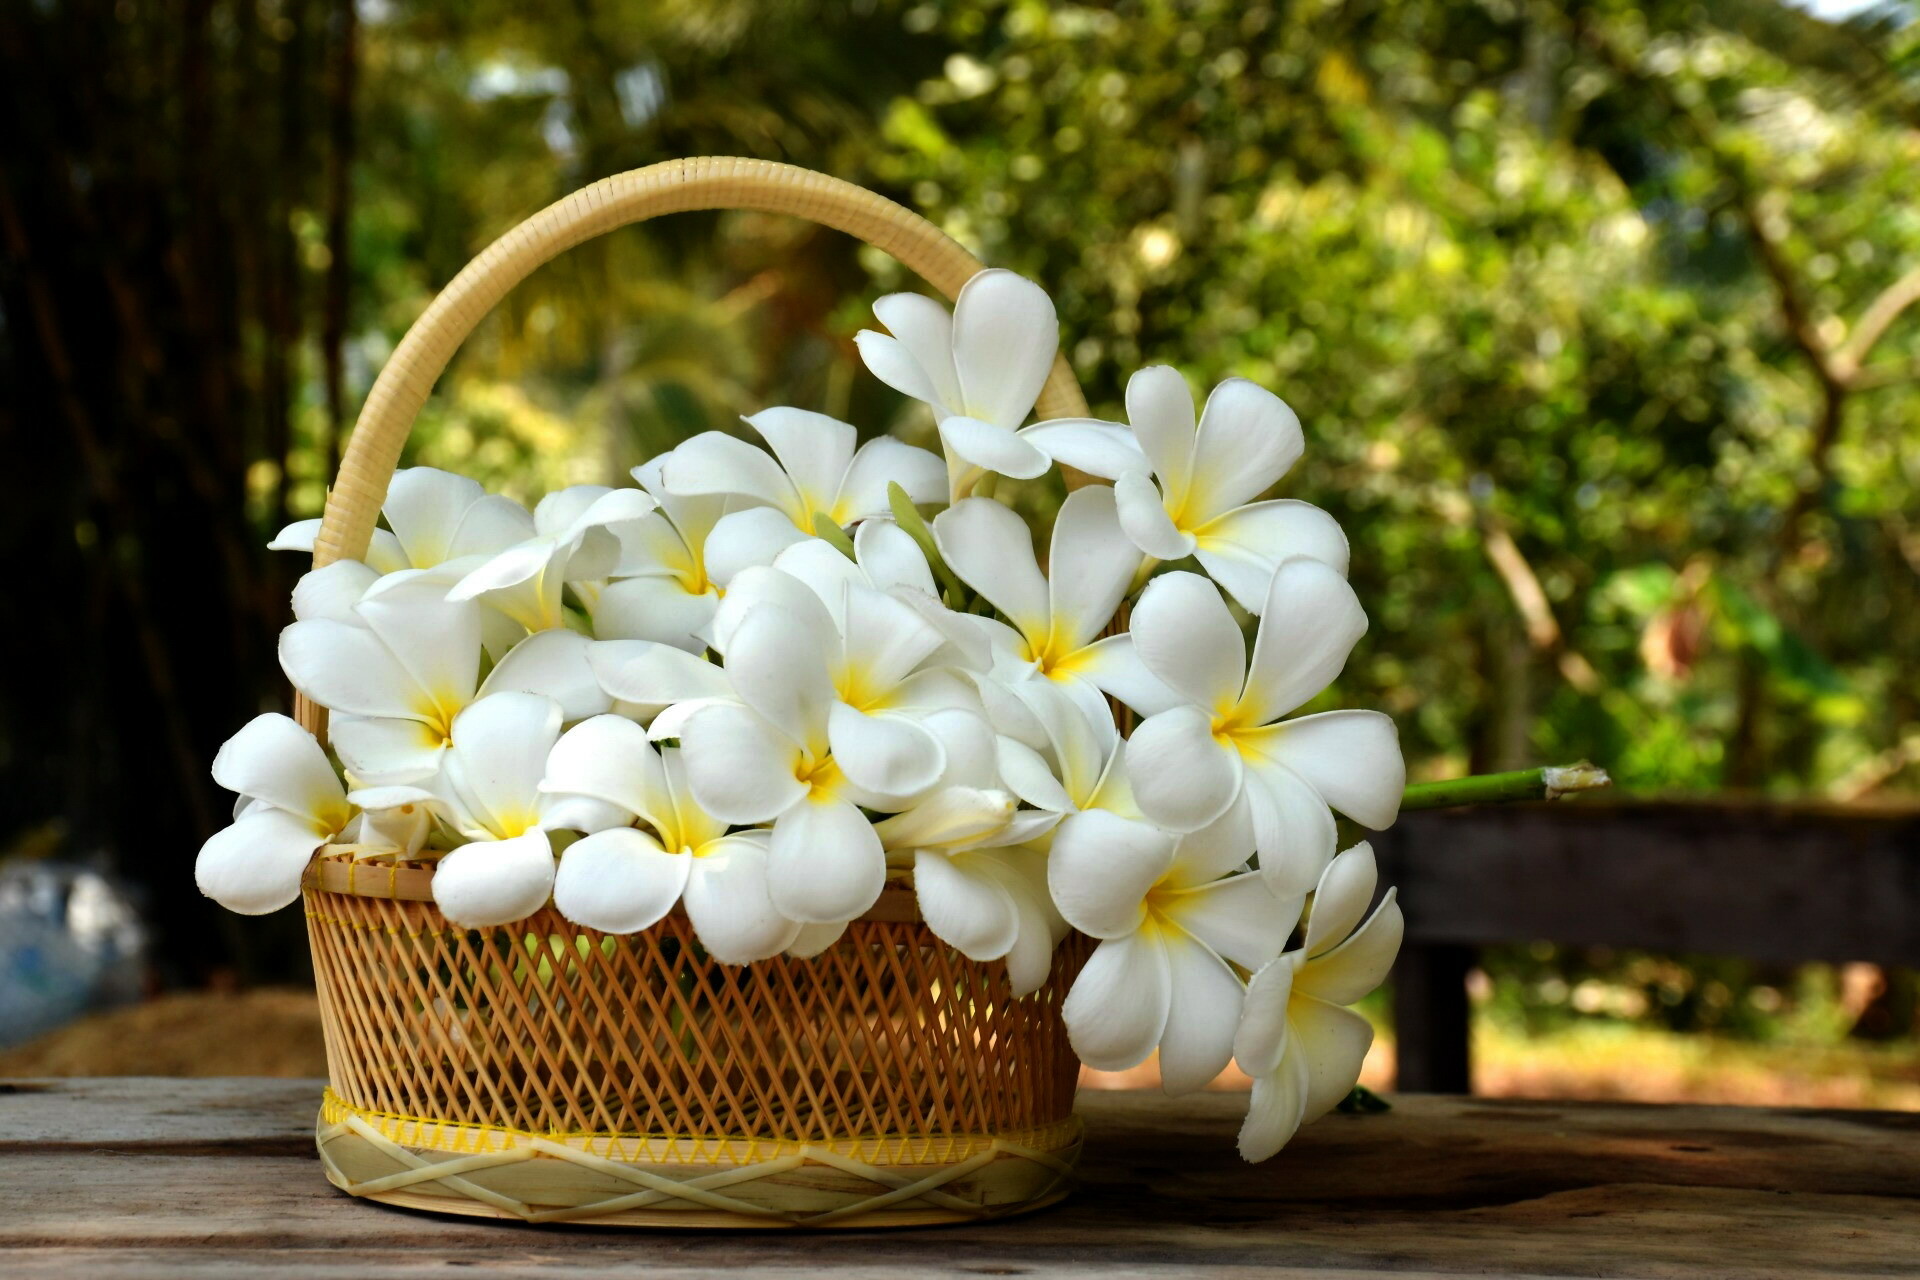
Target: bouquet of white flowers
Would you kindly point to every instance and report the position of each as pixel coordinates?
(768, 681)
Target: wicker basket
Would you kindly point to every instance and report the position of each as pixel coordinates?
(547, 1072)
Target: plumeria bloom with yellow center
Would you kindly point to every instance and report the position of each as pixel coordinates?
(814, 472)
(979, 890)
(291, 803)
(1228, 747)
(980, 369)
(576, 539)
(624, 879)
(676, 562)
(488, 794)
(1173, 924)
(398, 665)
(828, 721)
(1298, 1039)
(1209, 473)
(1054, 619)
(434, 517)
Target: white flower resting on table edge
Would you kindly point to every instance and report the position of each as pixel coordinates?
(767, 683)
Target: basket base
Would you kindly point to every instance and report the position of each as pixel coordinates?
(540, 1180)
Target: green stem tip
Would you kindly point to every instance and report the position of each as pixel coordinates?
(1551, 782)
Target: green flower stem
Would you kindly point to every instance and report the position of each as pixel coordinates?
(1552, 782)
(907, 516)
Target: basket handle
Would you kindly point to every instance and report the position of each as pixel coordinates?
(708, 182)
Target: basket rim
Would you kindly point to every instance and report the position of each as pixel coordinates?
(337, 869)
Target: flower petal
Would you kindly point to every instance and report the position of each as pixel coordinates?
(381, 752)
(826, 863)
(812, 939)
(982, 444)
(495, 881)
(1030, 777)
(255, 865)
(1261, 1041)
(346, 668)
(991, 549)
(1274, 1110)
(1143, 515)
(436, 639)
(1101, 868)
(729, 904)
(1248, 439)
(880, 462)
(1117, 1009)
(553, 663)
(1184, 634)
(1005, 334)
(1333, 1042)
(1357, 967)
(657, 609)
(1201, 1016)
(965, 905)
(1104, 449)
(332, 592)
(1089, 567)
(1217, 849)
(886, 638)
(953, 817)
(1352, 758)
(716, 463)
(887, 754)
(1241, 549)
(1114, 667)
(424, 507)
(610, 758)
(491, 524)
(1341, 898)
(744, 538)
(1182, 778)
(924, 328)
(890, 557)
(889, 360)
(619, 881)
(761, 584)
(1160, 411)
(1310, 624)
(1293, 829)
(273, 759)
(499, 755)
(653, 677)
(739, 767)
(778, 666)
(383, 549)
(814, 450)
(1239, 918)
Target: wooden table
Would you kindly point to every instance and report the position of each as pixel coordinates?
(210, 1178)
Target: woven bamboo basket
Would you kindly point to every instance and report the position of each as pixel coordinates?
(546, 1072)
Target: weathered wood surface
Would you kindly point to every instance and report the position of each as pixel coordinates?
(191, 1178)
(1778, 883)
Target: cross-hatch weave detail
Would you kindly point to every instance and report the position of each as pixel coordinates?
(499, 1045)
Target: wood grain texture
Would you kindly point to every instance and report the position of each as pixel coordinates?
(131, 1178)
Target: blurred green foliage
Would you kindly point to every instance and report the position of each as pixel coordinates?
(1502, 257)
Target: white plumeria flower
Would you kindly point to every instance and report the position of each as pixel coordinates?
(980, 369)
(828, 721)
(576, 539)
(1297, 1039)
(1173, 923)
(488, 793)
(402, 662)
(1223, 748)
(291, 803)
(1082, 767)
(1057, 616)
(622, 880)
(818, 472)
(980, 892)
(434, 517)
(1246, 439)
(676, 562)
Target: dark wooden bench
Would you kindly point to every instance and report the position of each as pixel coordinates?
(1785, 884)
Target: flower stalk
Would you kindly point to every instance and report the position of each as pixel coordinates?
(1551, 782)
